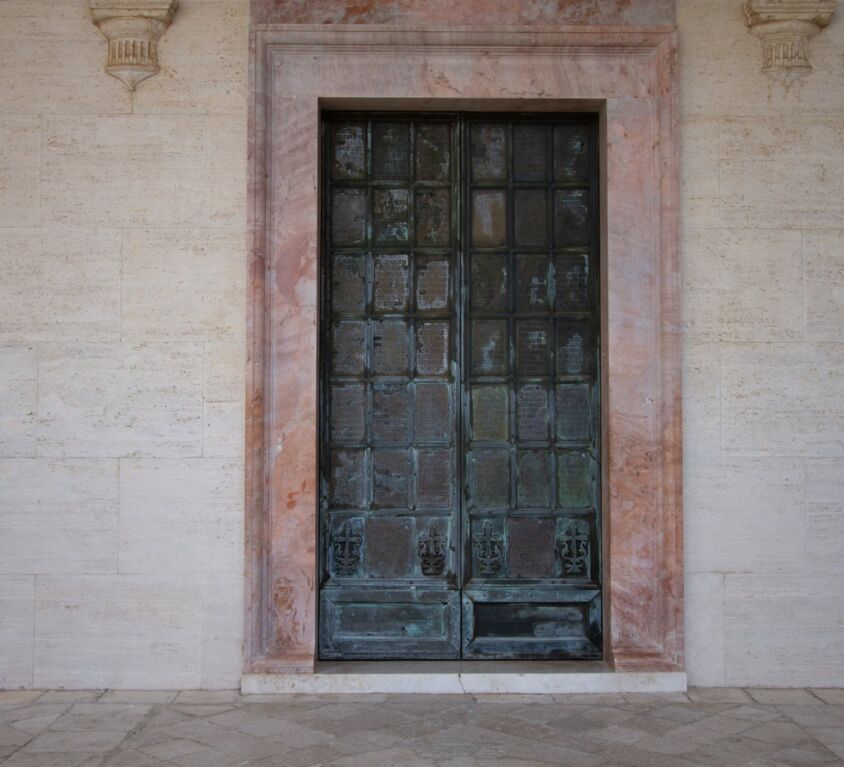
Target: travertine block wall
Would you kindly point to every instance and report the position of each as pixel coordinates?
(762, 250)
(122, 306)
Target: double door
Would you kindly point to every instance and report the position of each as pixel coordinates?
(459, 387)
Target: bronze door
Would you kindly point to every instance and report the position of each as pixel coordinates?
(459, 449)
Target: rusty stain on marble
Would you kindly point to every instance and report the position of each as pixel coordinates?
(467, 12)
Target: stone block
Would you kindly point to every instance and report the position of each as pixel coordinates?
(743, 285)
(222, 629)
(699, 179)
(121, 631)
(225, 372)
(130, 171)
(47, 21)
(183, 285)
(825, 515)
(824, 480)
(744, 514)
(709, 34)
(20, 167)
(58, 516)
(204, 62)
(16, 622)
(704, 595)
(783, 630)
(226, 165)
(779, 172)
(114, 400)
(181, 516)
(59, 284)
(824, 263)
(701, 401)
(783, 399)
(701, 255)
(223, 430)
(58, 76)
(761, 286)
(825, 538)
(18, 399)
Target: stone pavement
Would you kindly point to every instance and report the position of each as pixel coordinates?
(731, 727)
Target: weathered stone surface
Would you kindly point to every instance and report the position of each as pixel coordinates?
(124, 171)
(58, 60)
(89, 624)
(204, 60)
(757, 153)
(122, 258)
(823, 254)
(779, 629)
(20, 169)
(760, 248)
(440, 12)
(222, 429)
(180, 516)
(120, 400)
(162, 299)
(16, 607)
(58, 516)
(721, 728)
(224, 371)
(783, 399)
(18, 399)
(724, 530)
(825, 516)
(701, 400)
(59, 284)
(704, 594)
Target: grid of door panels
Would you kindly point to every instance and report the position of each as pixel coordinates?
(417, 333)
(390, 402)
(531, 397)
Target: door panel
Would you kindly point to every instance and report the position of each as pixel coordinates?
(460, 453)
(389, 473)
(530, 438)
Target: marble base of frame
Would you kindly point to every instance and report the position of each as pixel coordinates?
(458, 678)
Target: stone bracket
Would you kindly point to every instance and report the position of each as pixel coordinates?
(785, 28)
(132, 28)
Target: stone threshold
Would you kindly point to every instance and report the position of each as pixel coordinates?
(464, 677)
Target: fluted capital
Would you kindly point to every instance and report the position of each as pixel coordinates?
(786, 28)
(132, 28)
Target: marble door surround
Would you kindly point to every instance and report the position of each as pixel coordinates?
(628, 75)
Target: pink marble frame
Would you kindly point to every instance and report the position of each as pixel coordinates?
(627, 75)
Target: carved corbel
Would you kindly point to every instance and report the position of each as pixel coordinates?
(132, 28)
(785, 28)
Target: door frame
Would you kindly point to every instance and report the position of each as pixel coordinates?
(628, 76)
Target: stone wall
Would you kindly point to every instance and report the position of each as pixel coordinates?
(762, 248)
(122, 305)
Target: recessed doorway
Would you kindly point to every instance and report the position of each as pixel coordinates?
(460, 420)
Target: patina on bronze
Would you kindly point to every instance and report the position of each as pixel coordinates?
(459, 402)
